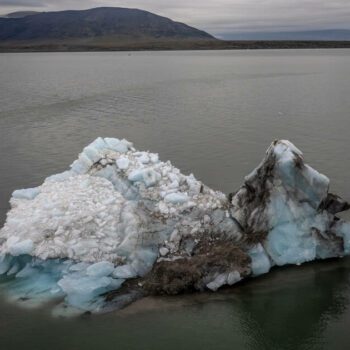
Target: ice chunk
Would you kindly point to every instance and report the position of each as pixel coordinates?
(99, 144)
(122, 163)
(117, 145)
(163, 251)
(154, 157)
(143, 260)
(76, 218)
(176, 198)
(79, 167)
(148, 176)
(27, 271)
(124, 271)
(288, 244)
(83, 290)
(233, 277)
(65, 237)
(100, 269)
(82, 266)
(143, 157)
(28, 193)
(260, 261)
(14, 269)
(342, 229)
(193, 184)
(21, 248)
(5, 263)
(219, 281)
(92, 155)
(61, 176)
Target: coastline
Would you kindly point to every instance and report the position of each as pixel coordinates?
(91, 46)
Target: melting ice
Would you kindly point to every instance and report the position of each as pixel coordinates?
(120, 214)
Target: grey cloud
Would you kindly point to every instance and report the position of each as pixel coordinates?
(22, 3)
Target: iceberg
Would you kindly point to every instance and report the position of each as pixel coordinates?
(121, 224)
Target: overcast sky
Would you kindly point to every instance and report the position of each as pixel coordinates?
(219, 16)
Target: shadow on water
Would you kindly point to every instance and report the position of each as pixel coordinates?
(292, 308)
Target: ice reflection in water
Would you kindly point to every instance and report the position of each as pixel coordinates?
(291, 308)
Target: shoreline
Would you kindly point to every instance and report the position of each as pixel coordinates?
(18, 47)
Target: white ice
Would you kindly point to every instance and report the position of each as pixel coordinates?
(97, 218)
(117, 210)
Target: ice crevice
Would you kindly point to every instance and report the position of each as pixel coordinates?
(120, 224)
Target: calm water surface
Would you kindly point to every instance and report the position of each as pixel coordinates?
(210, 113)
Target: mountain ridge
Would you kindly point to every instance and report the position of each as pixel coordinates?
(122, 29)
(96, 22)
(19, 14)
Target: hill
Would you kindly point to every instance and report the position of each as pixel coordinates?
(104, 22)
(20, 14)
(116, 29)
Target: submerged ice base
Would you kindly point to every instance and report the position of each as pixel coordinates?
(122, 219)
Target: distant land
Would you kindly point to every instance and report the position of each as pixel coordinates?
(320, 35)
(116, 29)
